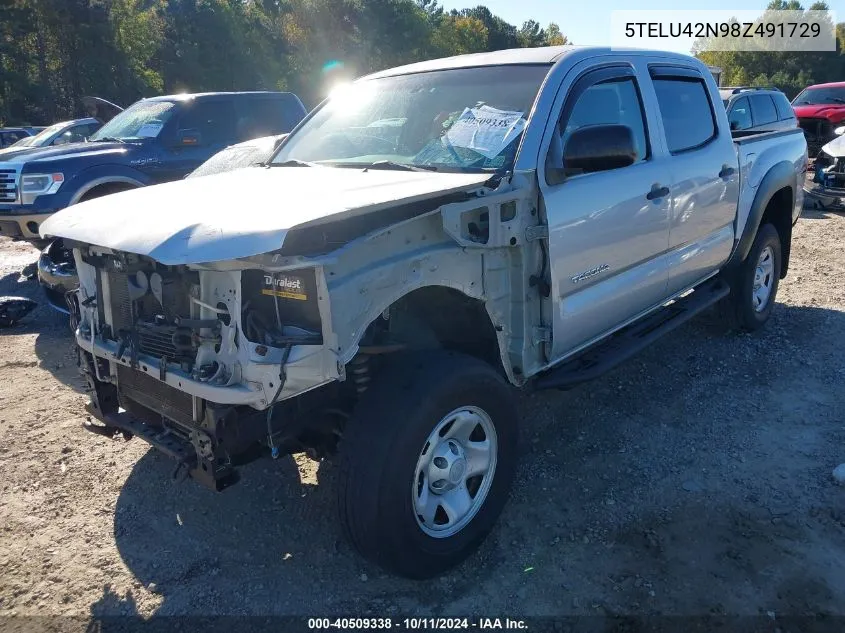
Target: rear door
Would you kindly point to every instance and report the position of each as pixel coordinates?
(705, 175)
(267, 115)
(607, 229)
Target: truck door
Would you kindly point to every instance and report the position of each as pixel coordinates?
(705, 178)
(608, 224)
(201, 130)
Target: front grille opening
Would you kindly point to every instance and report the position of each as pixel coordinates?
(153, 322)
(155, 395)
(8, 185)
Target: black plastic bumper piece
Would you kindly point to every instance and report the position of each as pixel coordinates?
(207, 472)
(632, 339)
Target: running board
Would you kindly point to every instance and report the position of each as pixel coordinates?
(629, 341)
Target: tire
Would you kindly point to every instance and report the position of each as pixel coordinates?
(742, 308)
(389, 456)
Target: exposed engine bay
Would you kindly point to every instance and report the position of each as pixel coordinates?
(199, 329)
(827, 185)
(217, 361)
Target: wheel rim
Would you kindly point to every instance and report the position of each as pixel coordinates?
(454, 472)
(764, 279)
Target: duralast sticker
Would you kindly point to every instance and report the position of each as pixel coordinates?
(285, 287)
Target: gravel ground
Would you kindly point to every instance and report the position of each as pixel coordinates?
(696, 479)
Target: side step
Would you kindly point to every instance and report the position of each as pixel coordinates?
(627, 342)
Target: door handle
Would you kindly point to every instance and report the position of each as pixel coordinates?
(657, 192)
(727, 170)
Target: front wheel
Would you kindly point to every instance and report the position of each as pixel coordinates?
(428, 459)
(754, 284)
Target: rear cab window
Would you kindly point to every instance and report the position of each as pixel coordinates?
(689, 121)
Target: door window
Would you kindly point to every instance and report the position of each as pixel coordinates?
(604, 101)
(214, 120)
(740, 114)
(685, 109)
(785, 111)
(263, 117)
(764, 109)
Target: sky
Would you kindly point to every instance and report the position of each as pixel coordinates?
(589, 23)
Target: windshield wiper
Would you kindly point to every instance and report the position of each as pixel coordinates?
(293, 162)
(388, 164)
(108, 139)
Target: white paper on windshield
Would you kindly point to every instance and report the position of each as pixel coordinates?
(485, 130)
(149, 130)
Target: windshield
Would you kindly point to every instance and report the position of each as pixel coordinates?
(41, 137)
(820, 96)
(452, 120)
(144, 119)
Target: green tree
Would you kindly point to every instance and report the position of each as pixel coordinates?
(554, 37)
(458, 35)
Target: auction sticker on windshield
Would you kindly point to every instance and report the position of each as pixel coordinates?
(149, 130)
(485, 130)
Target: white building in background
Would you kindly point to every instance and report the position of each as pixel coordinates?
(717, 73)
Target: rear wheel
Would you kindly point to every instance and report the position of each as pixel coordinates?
(427, 462)
(754, 284)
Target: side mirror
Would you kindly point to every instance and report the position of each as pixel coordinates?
(595, 148)
(188, 138)
(734, 125)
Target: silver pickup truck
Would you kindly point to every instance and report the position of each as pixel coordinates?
(429, 238)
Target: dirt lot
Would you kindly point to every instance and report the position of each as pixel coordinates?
(696, 479)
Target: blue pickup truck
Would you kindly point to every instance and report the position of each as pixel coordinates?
(155, 140)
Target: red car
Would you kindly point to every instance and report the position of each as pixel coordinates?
(820, 110)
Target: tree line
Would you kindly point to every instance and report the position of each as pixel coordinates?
(54, 52)
(791, 72)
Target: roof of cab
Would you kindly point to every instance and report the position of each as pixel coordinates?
(513, 56)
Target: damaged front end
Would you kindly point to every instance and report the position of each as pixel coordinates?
(194, 359)
(825, 182)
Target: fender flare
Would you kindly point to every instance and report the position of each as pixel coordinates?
(105, 180)
(779, 176)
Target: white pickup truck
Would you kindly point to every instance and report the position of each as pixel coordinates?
(428, 239)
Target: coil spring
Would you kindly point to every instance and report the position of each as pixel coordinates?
(359, 367)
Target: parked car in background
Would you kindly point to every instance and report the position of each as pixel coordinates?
(56, 268)
(825, 183)
(820, 110)
(11, 135)
(545, 214)
(75, 131)
(752, 109)
(155, 140)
